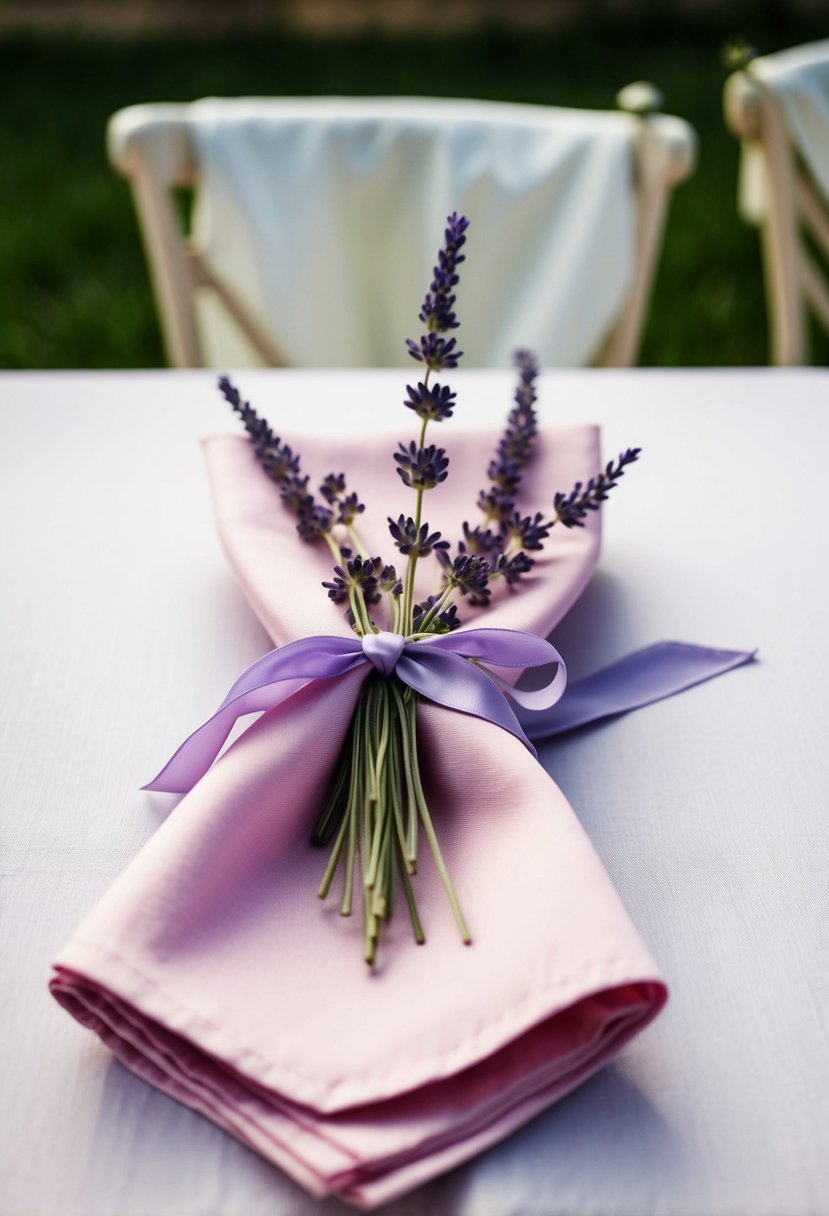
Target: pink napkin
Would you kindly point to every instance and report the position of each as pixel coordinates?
(213, 971)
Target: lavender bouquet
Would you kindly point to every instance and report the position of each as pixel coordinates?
(377, 809)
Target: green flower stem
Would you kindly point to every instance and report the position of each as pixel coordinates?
(380, 898)
(431, 835)
(336, 552)
(393, 607)
(371, 927)
(411, 797)
(355, 797)
(381, 718)
(362, 624)
(330, 869)
(417, 927)
(408, 594)
(356, 540)
(334, 806)
(396, 778)
(395, 788)
(436, 609)
(380, 793)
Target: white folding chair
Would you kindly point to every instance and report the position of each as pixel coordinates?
(779, 107)
(555, 197)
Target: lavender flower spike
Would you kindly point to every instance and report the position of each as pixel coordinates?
(438, 309)
(571, 509)
(282, 465)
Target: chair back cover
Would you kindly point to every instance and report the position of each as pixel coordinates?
(321, 215)
(799, 79)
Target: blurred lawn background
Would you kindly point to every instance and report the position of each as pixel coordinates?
(75, 291)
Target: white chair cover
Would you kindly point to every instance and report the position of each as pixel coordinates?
(799, 78)
(324, 216)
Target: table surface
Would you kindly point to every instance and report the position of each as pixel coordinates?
(120, 623)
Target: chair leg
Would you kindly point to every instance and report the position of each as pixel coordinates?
(781, 255)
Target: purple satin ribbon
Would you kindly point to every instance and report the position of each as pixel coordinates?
(645, 676)
(439, 669)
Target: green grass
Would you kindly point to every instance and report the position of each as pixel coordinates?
(75, 286)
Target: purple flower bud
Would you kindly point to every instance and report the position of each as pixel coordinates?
(530, 531)
(333, 487)
(496, 504)
(314, 520)
(338, 587)
(437, 353)
(295, 494)
(350, 508)
(433, 403)
(479, 540)
(421, 468)
(445, 622)
(389, 581)
(514, 567)
(470, 574)
(416, 541)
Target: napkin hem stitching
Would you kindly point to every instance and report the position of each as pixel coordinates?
(189, 1019)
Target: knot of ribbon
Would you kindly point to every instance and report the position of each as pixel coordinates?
(447, 669)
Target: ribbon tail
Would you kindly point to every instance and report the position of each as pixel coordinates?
(639, 679)
(264, 685)
(193, 758)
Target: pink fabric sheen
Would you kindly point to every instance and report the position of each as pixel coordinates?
(211, 969)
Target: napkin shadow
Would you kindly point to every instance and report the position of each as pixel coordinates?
(601, 1140)
(600, 626)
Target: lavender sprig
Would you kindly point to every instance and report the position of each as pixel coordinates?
(437, 312)
(315, 520)
(420, 467)
(571, 509)
(357, 583)
(377, 806)
(278, 460)
(503, 528)
(515, 447)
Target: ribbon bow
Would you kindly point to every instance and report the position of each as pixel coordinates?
(438, 669)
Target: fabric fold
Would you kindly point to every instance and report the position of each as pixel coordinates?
(212, 970)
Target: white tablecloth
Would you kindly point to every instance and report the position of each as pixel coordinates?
(121, 626)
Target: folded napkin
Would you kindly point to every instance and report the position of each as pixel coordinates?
(294, 193)
(211, 969)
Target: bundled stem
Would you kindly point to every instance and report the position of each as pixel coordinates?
(375, 807)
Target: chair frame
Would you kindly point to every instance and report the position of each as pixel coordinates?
(794, 281)
(151, 146)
